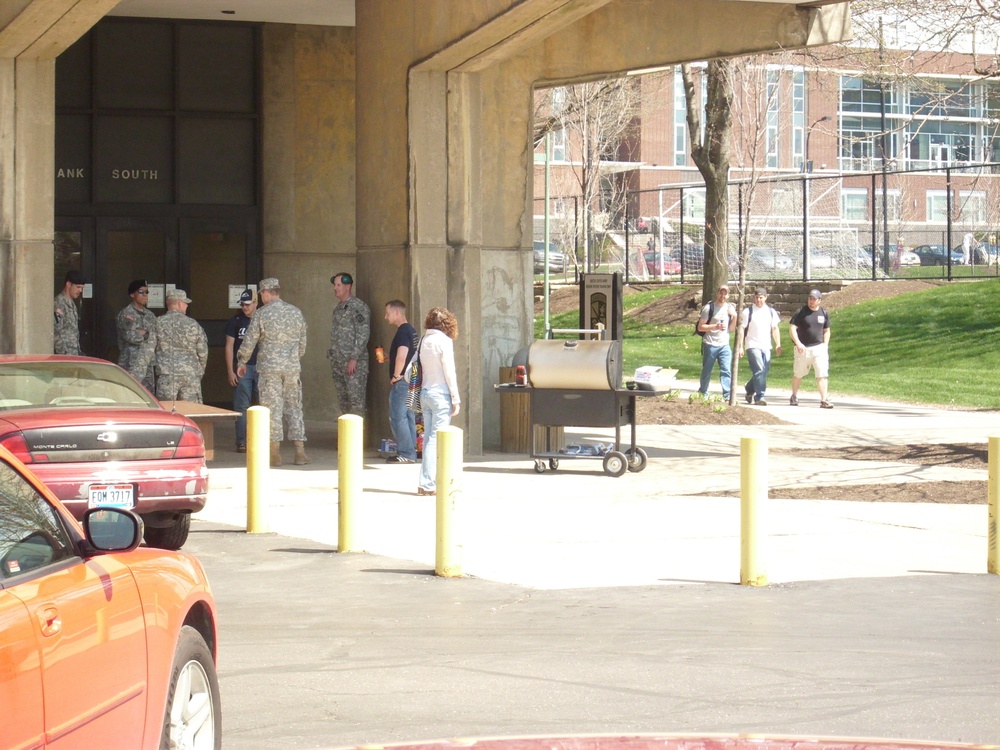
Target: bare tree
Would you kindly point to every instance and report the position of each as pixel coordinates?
(600, 119)
(710, 152)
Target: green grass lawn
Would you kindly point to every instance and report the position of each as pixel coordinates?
(940, 346)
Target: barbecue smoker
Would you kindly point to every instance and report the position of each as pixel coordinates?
(576, 383)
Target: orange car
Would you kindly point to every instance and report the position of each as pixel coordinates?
(102, 643)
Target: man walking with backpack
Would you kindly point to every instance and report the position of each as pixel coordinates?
(716, 322)
(810, 332)
(759, 322)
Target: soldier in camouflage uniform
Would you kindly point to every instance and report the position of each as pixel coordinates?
(278, 330)
(181, 351)
(137, 335)
(348, 352)
(66, 329)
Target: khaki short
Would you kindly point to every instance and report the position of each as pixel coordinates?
(816, 358)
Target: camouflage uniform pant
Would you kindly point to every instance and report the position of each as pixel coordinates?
(281, 392)
(178, 388)
(351, 389)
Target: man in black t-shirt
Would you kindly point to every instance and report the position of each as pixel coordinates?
(243, 388)
(810, 332)
(402, 421)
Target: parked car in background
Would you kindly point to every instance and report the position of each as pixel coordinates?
(97, 438)
(557, 258)
(982, 254)
(693, 260)
(906, 258)
(767, 260)
(937, 255)
(103, 644)
(653, 264)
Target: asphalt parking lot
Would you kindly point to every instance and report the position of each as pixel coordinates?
(608, 605)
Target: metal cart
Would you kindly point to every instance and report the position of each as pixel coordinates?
(576, 383)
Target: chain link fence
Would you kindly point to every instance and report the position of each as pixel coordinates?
(879, 225)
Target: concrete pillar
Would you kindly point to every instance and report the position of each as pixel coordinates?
(27, 137)
(32, 34)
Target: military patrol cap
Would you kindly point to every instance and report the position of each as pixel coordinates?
(136, 285)
(269, 283)
(247, 296)
(178, 295)
(74, 276)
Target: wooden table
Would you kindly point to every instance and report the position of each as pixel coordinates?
(205, 417)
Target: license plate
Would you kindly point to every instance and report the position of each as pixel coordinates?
(112, 496)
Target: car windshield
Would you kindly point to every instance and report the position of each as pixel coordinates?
(25, 385)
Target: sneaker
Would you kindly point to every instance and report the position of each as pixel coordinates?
(241, 449)
(825, 405)
(760, 402)
(399, 460)
(793, 401)
(749, 398)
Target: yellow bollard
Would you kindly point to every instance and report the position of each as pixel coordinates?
(993, 497)
(350, 465)
(448, 557)
(258, 465)
(753, 498)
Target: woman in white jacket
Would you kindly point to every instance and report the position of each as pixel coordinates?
(439, 397)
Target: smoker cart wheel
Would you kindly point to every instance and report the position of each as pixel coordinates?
(539, 466)
(615, 463)
(636, 461)
(553, 463)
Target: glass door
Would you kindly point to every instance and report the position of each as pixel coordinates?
(127, 249)
(74, 250)
(217, 258)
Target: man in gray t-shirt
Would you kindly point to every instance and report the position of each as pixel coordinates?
(717, 321)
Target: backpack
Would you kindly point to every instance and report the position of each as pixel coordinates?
(414, 377)
(711, 312)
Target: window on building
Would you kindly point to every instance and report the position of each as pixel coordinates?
(937, 206)
(860, 95)
(680, 121)
(773, 118)
(693, 203)
(972, 207)
(558, 145)
(929, 97)
(940, 143)
(559, 96)
(854, 204)
(798, 117)
(893, 205)
(860, 147)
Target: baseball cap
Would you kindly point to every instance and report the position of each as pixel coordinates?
(816, 294)
(178, 294)
(247, 296)
(136, 285)
(269, 283)
(73, 276)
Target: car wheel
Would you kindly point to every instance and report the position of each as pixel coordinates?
(193, 717)
(169, 537)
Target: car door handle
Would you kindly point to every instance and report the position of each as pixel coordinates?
(48, 620)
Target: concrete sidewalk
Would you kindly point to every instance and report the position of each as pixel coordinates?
(576, 527)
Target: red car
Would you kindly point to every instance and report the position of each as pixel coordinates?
(97, 438)
(670, 266)
(102, 644)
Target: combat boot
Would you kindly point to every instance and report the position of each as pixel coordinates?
(301, 459)
(276, 453)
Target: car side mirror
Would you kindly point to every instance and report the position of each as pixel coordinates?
(112, 529)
